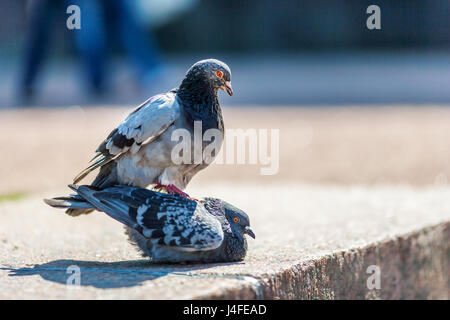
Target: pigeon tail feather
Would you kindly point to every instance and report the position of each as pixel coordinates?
(105, 204)
(75, 205)
(98, 163)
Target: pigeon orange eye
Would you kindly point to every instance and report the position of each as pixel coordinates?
(236, 219)
(219, 74)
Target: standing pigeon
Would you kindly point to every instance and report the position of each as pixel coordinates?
(138, 151)
(169, 228)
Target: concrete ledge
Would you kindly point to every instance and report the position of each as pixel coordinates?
(312, 243)
(412, 266)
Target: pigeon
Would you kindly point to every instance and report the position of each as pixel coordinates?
(138, 151)
(169, 228)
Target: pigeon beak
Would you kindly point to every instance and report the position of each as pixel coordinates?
(228, 88)
(249, 232)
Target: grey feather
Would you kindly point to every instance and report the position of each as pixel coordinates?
(140, 148)
(170, 228)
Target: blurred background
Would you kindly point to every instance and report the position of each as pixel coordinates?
(353, 105)
(292, 52)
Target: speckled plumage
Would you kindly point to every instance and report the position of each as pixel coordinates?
(169, 228)
(138, 151)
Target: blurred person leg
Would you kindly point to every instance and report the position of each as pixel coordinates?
(90, 41)
(140, 45)
(36, 45)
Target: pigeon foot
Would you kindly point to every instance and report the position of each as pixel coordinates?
(173, 189)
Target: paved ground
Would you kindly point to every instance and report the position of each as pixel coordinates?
(404, 145)
(356, 187)
(296, 227)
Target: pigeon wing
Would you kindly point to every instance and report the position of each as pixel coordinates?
(168, 220)
(179, 222)
(146, 122)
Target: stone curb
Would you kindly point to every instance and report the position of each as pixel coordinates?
(406, 263)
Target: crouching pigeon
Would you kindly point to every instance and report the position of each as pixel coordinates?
(169, 228)
(139, 151)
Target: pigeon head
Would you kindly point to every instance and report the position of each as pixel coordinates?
(238, 219)
(214, 72)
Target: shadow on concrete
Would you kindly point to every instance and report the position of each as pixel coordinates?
(107, 275)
